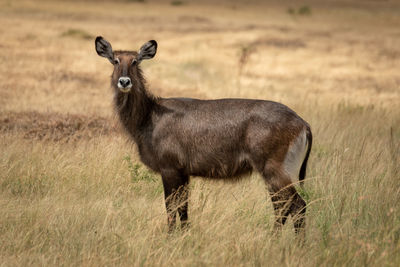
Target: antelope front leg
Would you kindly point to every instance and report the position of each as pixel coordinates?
(175, 193)
(182, 196)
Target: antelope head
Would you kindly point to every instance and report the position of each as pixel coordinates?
(127, 72)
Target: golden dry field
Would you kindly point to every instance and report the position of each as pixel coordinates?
(73, 192)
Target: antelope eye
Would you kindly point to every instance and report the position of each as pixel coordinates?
(134, 62)
(116, 61)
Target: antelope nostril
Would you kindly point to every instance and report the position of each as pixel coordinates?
(124, 81)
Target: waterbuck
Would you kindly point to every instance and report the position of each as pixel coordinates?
(219, 139)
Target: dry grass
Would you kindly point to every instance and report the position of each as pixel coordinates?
(72, 191)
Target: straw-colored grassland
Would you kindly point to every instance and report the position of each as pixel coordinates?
(74, 193)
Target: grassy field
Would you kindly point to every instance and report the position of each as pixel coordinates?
(72, 191)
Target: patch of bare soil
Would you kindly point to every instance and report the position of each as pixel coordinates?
(54, 126)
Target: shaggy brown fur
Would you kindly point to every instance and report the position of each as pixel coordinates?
(220, 139)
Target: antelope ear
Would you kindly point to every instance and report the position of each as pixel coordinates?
(148, 50)
(104, 49)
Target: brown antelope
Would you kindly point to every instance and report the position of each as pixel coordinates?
(219, 139)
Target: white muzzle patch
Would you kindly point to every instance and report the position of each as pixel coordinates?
(124, 84)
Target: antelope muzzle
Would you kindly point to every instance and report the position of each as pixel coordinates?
(124, 84)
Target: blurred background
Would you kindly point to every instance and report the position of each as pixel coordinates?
(296, 51)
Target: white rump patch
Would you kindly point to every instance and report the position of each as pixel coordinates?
(295, 156)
